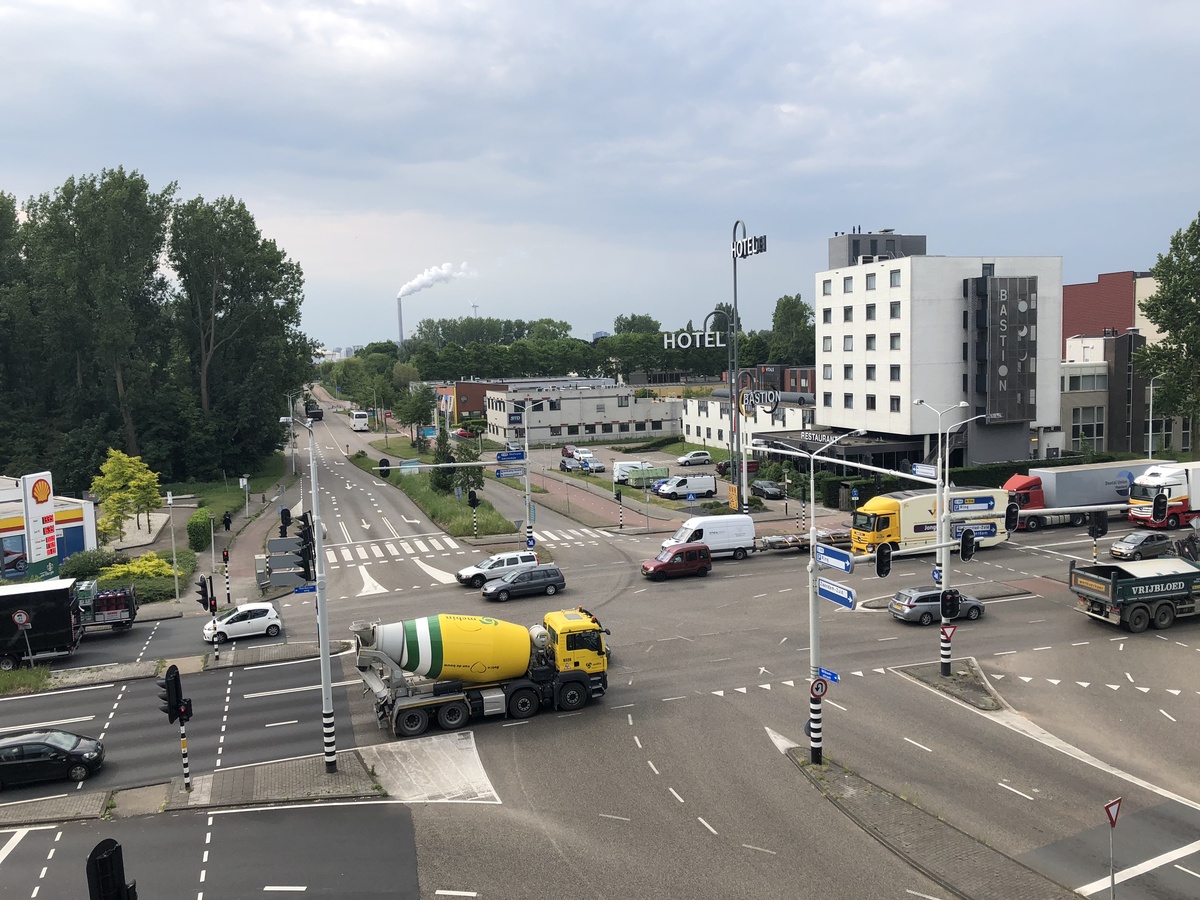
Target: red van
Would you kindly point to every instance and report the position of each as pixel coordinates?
(681, 559)
(751, 467)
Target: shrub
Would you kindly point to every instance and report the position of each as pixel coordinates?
(199, 530)
(150, 565)
(87, 563)
(184, 558)
(148, 590)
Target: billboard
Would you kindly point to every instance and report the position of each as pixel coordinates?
(1012, 348)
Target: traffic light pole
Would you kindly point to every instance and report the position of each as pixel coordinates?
(187, 772)
(328, 731)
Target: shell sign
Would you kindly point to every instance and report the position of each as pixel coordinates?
(41, 542)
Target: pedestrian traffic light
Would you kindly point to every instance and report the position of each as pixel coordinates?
(966, 545)
(202, 586)
(618, 497)
(1012, 517)
(185, 709)
(304, 531)
(171, 693)
(285, 517)
(951, 600)
(472, 499)
(225, 557)
(883, 560)
(385, 468)
(106, 873)
(212, 603)
(1160, 508)
(1098, 527)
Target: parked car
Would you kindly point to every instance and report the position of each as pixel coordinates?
(567, 464)
(1141, 545)
(48, 755)
(513, 445)
(582, 453)
(568, 450)
(657, 483)
(682, 559)
(547, 579)
(695, 458)
(15, 561)
(464, 434)
(924, 605)
(769, 490)
(246, 620)
(751, 467)
(495, 566)
(591, 464)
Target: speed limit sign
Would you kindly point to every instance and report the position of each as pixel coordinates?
(818, 687)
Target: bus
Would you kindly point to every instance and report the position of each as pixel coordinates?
(359, 421)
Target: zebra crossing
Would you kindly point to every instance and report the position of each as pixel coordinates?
(571, 537)
(391, 549)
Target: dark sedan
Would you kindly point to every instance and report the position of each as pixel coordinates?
(569, 464)
(766, 489)
(48, 755)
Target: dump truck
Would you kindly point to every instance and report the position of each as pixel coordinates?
(1179, 481)
(1138, 594)
(38, 622)
(1076, 490)
(907, 520)
(452, 668)
(116, 608)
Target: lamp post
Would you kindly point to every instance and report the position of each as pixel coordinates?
(728, 368)
(740, 248)
(939, 566)
(292, 428)
(212, 541)
(1150, 455)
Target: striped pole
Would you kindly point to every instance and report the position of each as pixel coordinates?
(187, 774)
(814, 727)
(213, 607)
(330, 737)
(228, 593)
(945, 654)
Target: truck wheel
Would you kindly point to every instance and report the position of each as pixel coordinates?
(739, 553)
(410, 722)
(573, 696)
(1077, 520)
(551, 590)
(1139, 619)
(523, 704)
(1033, 523)
(709, 493)
(1164, 616)
(926, 618)
(453, 715)
(1172, 521)
(8, 663)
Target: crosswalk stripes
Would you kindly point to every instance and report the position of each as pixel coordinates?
(568, 535)
(350, 553)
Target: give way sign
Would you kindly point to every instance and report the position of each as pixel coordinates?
(1113, 809)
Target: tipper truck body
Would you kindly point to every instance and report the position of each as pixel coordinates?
(1138, 594)
(1104, 486)
(451, 668)
(38, 622)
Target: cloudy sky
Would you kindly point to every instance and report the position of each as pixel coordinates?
(589, 159)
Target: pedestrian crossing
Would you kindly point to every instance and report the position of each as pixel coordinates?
(394, 548)
(571, 536)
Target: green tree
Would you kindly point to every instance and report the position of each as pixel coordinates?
(636, 323)
(468, 477)
(442, 480)
(793, 336)
(125, 487)
(1174, 308)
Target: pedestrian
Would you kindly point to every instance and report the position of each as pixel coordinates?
(227, 520)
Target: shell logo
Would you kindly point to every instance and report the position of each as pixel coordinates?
(41, 490)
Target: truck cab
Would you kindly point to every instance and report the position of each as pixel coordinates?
(578, 643)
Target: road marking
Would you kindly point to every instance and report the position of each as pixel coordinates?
(1140, 869)
(706, 825)
(1167, 714)
(91, 687)
(653, 769)
(285, 888)
(675, 794)
(295, 690)
(1014, 790)
(618, 818)
(456, 893)
(759, 849)
(277, 724)
(36, 725)
(915, 744)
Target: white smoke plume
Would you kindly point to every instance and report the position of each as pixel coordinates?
(431, 276)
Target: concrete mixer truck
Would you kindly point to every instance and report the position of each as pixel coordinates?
(451, 668)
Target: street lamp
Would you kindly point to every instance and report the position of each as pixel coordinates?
(939, 498)
(728, 369)
(292, 428)
(1151, 451)
(740, 248)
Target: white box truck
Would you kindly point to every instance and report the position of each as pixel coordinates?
(723, 534)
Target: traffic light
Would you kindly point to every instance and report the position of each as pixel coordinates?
(202, 586)
(1160, 508)
(1012, 517)
(951, 600)
(212, 603)
(385, 468)
(618, 497)
(225, 557)
(1098, 527)
(106, 873)
(185, 709)
(285, 518)
(883, 560)
(171, 693)
(966, 545)
(472, 499)
(304, 562)
(304, 531)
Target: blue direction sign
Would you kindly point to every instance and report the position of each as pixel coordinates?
(510, 456)
(922, 470)
(835, 558)
(510, 473)
(981, 529)
(982, 503)
(529, 542)
(828, 675)
(305, 589)
(836, 593)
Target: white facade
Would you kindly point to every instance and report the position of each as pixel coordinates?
(706, 422)
(580, 415)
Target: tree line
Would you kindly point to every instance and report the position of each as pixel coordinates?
(133, 319)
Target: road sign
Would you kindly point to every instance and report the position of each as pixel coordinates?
(835, 558)
(948, 632)
(981, 529)
(514, 418)
(854, 494)
(530, 542)
(691, 498)
(516, 472)
(828, 675)
(283, 545)
(836, 593)
(305, 589)
(982, 503)
(20, 617)
(1113, 809)
(921, 470)
(936, 574)
(818, 687)
(510, 456)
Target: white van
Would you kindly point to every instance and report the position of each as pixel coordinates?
(723, 534)
(359, 421)
(621, 470)
(682, 485)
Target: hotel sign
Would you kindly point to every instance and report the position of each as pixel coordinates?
(685, 340)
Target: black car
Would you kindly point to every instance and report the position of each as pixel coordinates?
(48, 755)
(767, 489)
(538, 580)
(570, 464)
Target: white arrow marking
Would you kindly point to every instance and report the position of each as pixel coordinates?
(1083, 683)
(1176, 693)
(790, 683)
(781, 743)
(365, 525)
(1025, 678)
(859, 674)
(719, 693)
(1115, 686)
(1144, 690)
(765, 687)
(762, 670)
(1054, 681)
(740, 690)
(410, 521)
(436, 574)
(370, 585)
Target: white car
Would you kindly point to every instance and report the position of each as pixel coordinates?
(496, 567)
(695, 458)
(581, 454)
(242, 621)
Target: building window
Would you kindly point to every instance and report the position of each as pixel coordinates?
(1098, 382)
(827, 317)
(606, 428)
(624, 427)
(870, 312)
(589, 429)
(847, 401)
(827, 400)
(894, 275)
(599, 407)
(989, 269)
(893, 373)
(720, 433)
(870, 401)
(1087, 428)
(848, 284)
(870, 281)
(621, 401)
(826, 288)
(826, 344)
(894, 341)
(555, 431)
(870, 373)
(894, 309)
(638, 426)
(847, 313)
(572, 430)
(848, 373)
(894, 403)
(848, 342)
(656, 424)
(555, 405)
(870, 342)
(827, 372)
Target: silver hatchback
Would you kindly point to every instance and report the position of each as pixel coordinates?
(924, 605)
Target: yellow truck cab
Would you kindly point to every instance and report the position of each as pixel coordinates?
(908, 519)
(578, 641)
